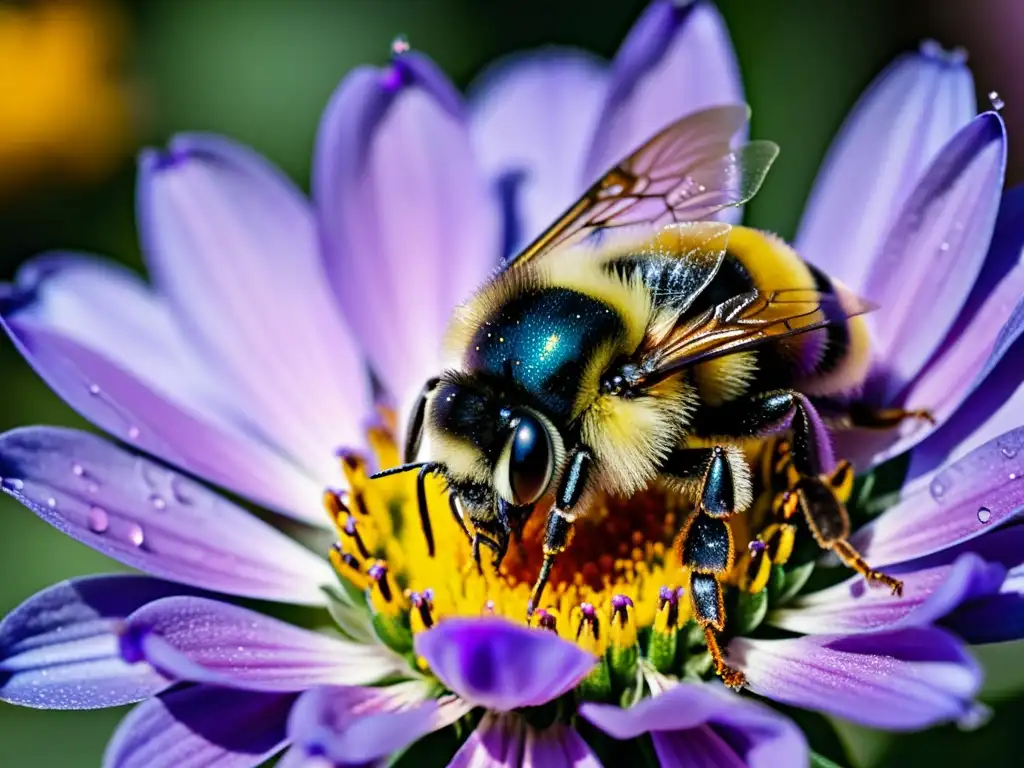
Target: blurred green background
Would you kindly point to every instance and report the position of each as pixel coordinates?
(84, 84)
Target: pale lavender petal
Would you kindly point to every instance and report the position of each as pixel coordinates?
(557, 746)
(962, 501)
(110, 348)
(154, 519)
(532, 117)
(907, 114)
(203, 640)
(936, 249)
(201, 726)
(233, 245)
(59, 649)
(853, 606)
(503, 666)
(705, 722)
(408, 224)
(499, 740)
(677, 59)
(348, 726)
(898, 681)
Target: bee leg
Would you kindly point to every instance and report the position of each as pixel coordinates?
(707, 549)
(870, 417)
(453, 505)
(563, 514)
(830, 525)
(415, 434)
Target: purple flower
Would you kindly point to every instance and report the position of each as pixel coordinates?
(245, 365)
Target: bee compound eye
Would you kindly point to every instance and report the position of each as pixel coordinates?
(531, 460)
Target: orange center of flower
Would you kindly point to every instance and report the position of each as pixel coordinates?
(621, 554)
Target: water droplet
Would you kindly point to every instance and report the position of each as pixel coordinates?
(984, 514)
(1013, 475)
(13, 484)
(93, 487)
(996, 100)
(399, 45)
(943, 246)
(98, 520)
(77, 470)
(51, 503)
(133, 433)
(136, 535)
(182, 492)
(94, 389)
(158, 502)
(937, 488)
(1008, 451)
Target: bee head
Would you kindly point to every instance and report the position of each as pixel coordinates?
(500, 457)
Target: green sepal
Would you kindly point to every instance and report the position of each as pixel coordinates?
(820, 761)
(353, 621)
(622, 662)
(750, 610)
(791, 583)
(663, 649)
(393, 631)
(698, 666)
(597, 686)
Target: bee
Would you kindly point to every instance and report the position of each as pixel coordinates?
(638, 340)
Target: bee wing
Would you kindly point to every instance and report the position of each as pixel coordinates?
(745, 321)
(687, 172)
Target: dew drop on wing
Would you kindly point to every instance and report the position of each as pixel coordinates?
(937, 489)
(98, 520)
(984, 514)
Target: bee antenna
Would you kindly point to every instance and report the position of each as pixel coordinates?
(400, 469)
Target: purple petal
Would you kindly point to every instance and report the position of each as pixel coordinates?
(704, 721)
(677, 59)
(151, 518)
(352, 726)
(201, 726)
(110, 348)
(233, 245)
(898, 681)
(496, 664)
(498, 740)
(408, 225)
(853, 607)
(907, 114)
(59, 649)
(558, 746)
(202, 640)
(995, 618)
(532, 116)
(962, 501)
(936, 249)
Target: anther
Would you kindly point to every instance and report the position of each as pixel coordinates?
(423, 602)
(544, 619)
(756, 546)
(350, 530)
(379, 573)
(588, 620)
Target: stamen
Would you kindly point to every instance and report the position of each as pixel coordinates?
(348, 567)
(334, 504)
(383, 596)
(351, 530)
(624, 652)
(544, 619)
(668, 621)
(422, 616)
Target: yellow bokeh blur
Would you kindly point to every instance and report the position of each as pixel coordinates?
(66, 107)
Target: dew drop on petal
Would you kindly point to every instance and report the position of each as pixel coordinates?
(136, 535)
(158, 502)
(984, 514)
(133, 433)
(996, 100)
(94, 389)
(77, 470)
(98, 520)
(51, 502)
(183, 494)
(937, 488)
(93, 487)
(1008, 451)
(13, 484)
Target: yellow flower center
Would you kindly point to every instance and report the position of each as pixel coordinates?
(623, 549)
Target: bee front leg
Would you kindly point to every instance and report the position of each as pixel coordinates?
(558, 530)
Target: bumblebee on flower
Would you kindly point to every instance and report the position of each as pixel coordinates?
(427, 633)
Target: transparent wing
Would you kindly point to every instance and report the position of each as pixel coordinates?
(743, 322)
(687, 172)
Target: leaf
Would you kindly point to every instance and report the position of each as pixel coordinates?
(820, 761)
(750, 611)
(352, 620)
(795, 579)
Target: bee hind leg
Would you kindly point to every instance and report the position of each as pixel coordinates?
(870, 417)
